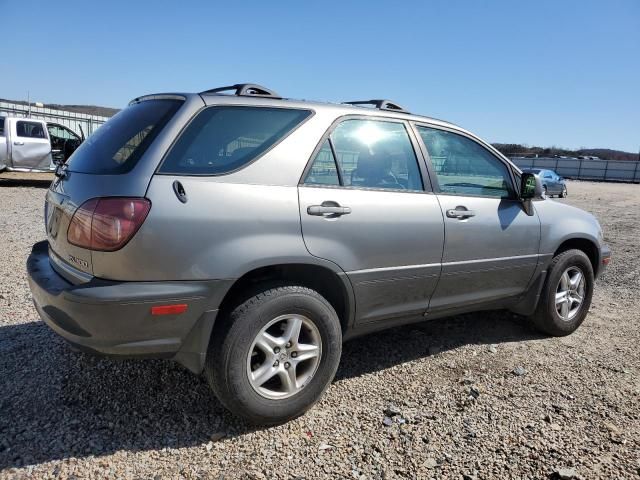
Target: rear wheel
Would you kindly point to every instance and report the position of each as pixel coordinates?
(275, 354)
(566, 295)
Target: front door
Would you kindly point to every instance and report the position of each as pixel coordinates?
(363, 206)
(30, 147)
(491, 246)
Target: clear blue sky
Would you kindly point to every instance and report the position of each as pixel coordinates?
(564, 73)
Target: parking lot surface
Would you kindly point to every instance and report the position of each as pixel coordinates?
(481, 395)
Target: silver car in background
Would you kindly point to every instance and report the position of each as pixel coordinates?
(552, 183)
(247, 236)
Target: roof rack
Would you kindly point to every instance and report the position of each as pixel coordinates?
(380, 105)
(246, 90)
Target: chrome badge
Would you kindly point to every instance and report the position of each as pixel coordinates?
(78, 261)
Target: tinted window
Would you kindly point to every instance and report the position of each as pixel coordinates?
(464, 167)
(118, 144)
(1, 126)
(222, 139)
(323, 170)
(30, 129)
(373, 154)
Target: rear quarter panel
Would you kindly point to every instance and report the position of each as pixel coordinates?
(223, 231)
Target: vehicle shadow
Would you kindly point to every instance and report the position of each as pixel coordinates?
(24, 182)
(56, 403)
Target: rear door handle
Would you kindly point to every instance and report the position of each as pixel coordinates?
(18, 143)
(460, 212)
(330, 209)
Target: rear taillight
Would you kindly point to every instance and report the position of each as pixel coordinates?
(107, 224)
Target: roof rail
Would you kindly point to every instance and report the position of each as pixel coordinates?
(380, 105)
(245, 90)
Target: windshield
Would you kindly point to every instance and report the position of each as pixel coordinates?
(117, 145)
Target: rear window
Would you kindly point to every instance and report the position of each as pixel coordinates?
(117, 145)
(222, 139)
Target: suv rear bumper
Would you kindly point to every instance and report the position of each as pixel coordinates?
(114, 318)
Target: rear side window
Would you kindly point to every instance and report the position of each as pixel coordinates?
(30, 130)
(370, 154)
(1, 126)
(222, 139)
(117, 145)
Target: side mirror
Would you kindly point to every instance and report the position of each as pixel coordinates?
(530, 186)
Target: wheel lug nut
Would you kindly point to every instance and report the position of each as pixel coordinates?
(294, 354)
(288, 345)
(287, 365)
(276, 363)
(276, 350)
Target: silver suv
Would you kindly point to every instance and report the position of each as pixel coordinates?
(247, 236)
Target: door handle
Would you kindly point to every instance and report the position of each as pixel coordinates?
(460, 212)
(18, 143)
(329, 209)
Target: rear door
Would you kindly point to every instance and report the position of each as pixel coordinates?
(364, 206)
(491, 247)
(30, 146)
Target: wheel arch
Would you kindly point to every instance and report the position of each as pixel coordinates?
(333, 285)
(588, 246)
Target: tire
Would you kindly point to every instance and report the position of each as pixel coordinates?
(233, 354)
(547, 318)
(563, 193)
(544, 189)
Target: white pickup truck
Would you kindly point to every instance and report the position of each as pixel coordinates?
(30, 145)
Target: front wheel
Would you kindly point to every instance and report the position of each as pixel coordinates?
(566, 295)
(563, 194)
(275, 354)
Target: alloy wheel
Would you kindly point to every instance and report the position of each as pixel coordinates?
(570, 293)
(284, 356)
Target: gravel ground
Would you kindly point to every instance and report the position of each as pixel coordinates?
(475, 396)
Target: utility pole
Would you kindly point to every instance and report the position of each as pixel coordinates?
(29, 103)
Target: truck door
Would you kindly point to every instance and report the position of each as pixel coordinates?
(30, 147)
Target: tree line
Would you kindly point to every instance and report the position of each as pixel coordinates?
(518, 150)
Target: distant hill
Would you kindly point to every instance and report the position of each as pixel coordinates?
(516, 150)
(87, 109)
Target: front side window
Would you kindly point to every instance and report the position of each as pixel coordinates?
(222, 139)
(464, 167)
(369, 154)
(1, 126)
(30, 129)
(61, 133)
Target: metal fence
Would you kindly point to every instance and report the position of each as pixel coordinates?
(586, 169)
(71, 120)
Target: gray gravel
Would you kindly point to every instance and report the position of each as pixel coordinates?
(437, 400)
